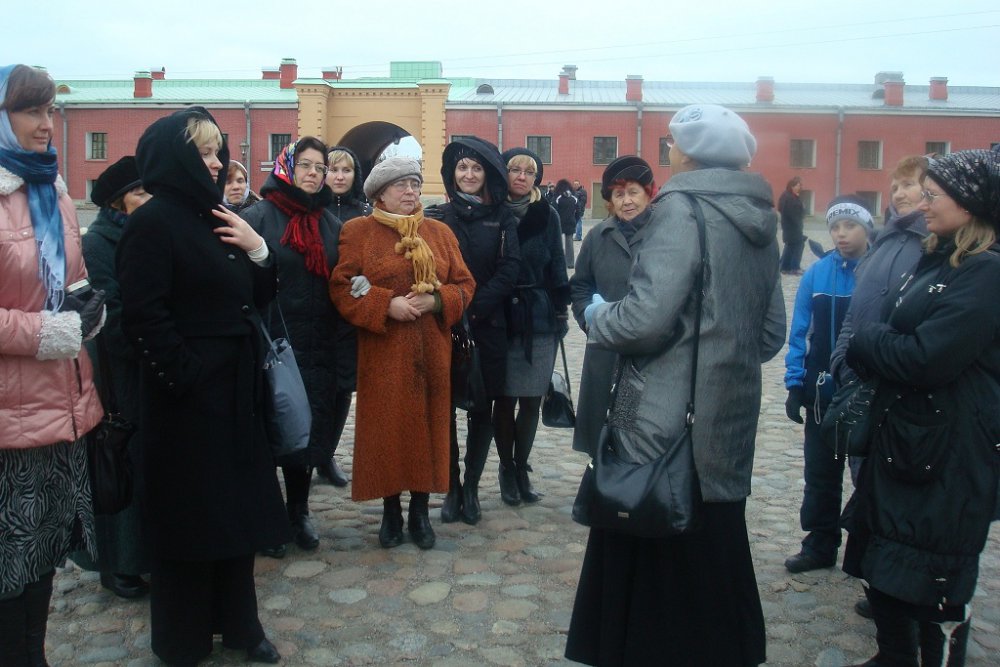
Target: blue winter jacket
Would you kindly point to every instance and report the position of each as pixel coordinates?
(820, 306)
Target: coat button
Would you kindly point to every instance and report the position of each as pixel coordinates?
(231, 256)
(514, 300)
(245, 308)
(161, 374)
(139, 340)
(170, 384)
(152, 364)
(145, 353)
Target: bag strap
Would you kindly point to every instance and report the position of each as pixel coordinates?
(562, 350)
(267, 327)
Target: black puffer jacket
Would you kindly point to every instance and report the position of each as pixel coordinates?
(487, 236)
(566, 207)
(920, 541)
(354, 204)
(325, 344)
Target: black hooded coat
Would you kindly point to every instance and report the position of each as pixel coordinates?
(487, 237)
(353, 204)
(189, 309)
(325, 344)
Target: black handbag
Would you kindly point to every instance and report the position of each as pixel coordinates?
(557, 406)
(657, 498)
(287, 413)
(108, 461)
(468, 390)
(847, 424)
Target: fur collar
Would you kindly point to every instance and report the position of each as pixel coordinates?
(535, 220)
(11, 183)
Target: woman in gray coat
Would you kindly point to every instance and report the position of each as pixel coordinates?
(669, 601)
(602, 268)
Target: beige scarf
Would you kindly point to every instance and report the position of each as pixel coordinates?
(412, 246)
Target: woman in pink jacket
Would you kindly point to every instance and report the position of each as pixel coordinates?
(47, 399)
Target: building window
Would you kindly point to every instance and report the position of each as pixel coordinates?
(803, 153)
(869, 155)
(872, 200)
(806, 197)
(936, 148)
(605, 149)
(664, 152)
(278, 143)
(97, 145)
(540, 146)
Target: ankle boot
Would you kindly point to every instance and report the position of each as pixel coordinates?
(509, 492)
(528, 494)
(451, 508)
(390, 533)
(37, 596)
(305, 533)
(13, 642)
(895, 633)
(421, 531)
(331, 472)
(477, 448)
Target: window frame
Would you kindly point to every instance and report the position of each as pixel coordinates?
(865, 148)
(92, 142)
(546, 159)
(664, 158)
(595, 156)
(274, 151)
(792, 155)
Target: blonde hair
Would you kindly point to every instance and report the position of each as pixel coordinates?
(338, 155)
(970, 239)
(523, 161)
(202, 131)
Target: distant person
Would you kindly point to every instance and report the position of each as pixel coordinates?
(238, 195)
(550, 193)
(566, 205)
(792, 230)
(581, 207)
(820, 305)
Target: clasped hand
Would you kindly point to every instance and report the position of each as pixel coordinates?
(410, 307)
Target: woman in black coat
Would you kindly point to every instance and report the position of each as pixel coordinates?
(475, 179)
(294, 220)
(565, 205)
(193, 275)
(926, 492)
(537, 319)
(792, 231)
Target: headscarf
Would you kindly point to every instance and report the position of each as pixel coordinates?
(39, 172)
(302, 232)
(412, 246)
(246, 177)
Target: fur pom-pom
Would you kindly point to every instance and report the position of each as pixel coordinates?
(60, 337)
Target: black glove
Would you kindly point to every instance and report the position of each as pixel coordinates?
(793, 404)
(91, 309)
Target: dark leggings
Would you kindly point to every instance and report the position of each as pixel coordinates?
(296, 483)
(515, 435)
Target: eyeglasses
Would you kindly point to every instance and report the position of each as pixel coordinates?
(517, 172)
(929, 196)
(318, 167)
(402, 184)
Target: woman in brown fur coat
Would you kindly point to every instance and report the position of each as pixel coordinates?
(402, 282)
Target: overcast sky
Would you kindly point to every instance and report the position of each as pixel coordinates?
(847, 41)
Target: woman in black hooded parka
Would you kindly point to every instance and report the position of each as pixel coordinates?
(192, 276)
(294, 220)
(475, 178)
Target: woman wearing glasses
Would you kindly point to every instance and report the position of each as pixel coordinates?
(294, 220)
(927, 490)
(402, 282)
(475, 178)
(537, 318)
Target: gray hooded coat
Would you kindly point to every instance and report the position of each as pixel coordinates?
(743, 326)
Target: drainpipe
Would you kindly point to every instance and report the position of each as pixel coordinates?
(500, 126)
(638, 129)
(65, 142)
(840, 140)
(246, 115)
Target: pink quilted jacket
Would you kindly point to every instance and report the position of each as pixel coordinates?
(41, 402)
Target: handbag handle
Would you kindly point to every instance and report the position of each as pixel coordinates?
(267, 329)
(562, 350)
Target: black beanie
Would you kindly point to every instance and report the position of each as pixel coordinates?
(972, 179)
(115, 181)
(625, 168)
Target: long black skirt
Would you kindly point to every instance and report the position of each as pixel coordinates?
(690, 600)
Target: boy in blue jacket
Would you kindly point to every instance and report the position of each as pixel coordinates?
(820, 306)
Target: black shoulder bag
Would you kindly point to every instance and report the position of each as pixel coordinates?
(557, 406)
(659, 498)
(108, 460)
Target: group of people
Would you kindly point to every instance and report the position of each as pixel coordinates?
(367, 285)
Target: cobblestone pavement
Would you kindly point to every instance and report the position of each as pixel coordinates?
(500, 593)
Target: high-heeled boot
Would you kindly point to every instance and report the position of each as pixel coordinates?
(477, 448)
(528, 493)
(305, 532)
(451, 508)
(37, 596)
(419, 523)
(509, 492)
(390, 533)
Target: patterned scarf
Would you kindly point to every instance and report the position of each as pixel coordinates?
(302, 233)
(412, 247)
(39, 172)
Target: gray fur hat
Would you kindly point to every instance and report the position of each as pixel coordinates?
(389, 171)
(713, 135)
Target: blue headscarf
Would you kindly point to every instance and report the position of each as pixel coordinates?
(39, 171)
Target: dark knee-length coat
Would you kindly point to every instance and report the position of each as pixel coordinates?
(189, 305)
(404, 368)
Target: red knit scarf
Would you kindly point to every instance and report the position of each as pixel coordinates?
(302, 232)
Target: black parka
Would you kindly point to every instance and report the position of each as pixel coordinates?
(189, 310)
(938, 349)
(325, 344)
(487, 237)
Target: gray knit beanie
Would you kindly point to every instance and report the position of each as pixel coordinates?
(389, 171)
(713, 135)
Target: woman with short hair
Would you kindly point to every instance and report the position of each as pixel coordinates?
(238, 196)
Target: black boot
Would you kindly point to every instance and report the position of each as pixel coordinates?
(528, 494)
(264, 652)
(128, 586)
(895, 633)
(305, 533)
(451, 508)
(13, 621)
(390, 533)
(934, 638)
(37, 596)
(418, 522)
(509, 492)
(332, 473)
(477, 448)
